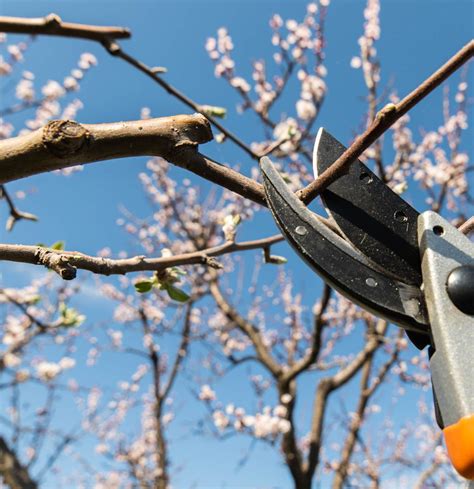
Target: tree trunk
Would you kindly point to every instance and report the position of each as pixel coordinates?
(13, 474)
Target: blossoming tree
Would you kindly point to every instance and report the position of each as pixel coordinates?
(184, 311)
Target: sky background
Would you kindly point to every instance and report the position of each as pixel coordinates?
(417, 37)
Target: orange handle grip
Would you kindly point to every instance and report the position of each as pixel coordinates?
(459, 439)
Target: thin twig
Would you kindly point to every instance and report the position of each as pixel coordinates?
(15, 214)
(115, 50)
(385, 118)
(66, 263)
(467, 227)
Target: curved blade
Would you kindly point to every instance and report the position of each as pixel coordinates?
(338, 264)
(376, 220)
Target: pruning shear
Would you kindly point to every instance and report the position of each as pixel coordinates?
(415, 270)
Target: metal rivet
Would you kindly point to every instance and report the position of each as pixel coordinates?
(400, 216)
(301, 230)
(371, 282)
(365, 177)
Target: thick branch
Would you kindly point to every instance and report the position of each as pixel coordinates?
(366, 392)
(329, 384)
(12, 471)
(305, 362)
(52, 25)
(180, 354)
(65, 263)
(61, 144)
(247, 328)
(383, 121)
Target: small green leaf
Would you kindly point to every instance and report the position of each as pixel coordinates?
(41, 245)
(177, 294)
(179, 271)
(143, 286)
(69, 316)
(59, 245)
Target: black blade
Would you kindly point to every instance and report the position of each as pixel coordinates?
(338, 264)
(376, 220)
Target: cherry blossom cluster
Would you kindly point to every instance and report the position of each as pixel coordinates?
(39, 336)
(52, 91)
(367, 59)
(299, 49)
(437, 162)
(267, 424)
(13, 52)
(29, 317)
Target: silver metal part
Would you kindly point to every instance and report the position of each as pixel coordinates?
(443, 248)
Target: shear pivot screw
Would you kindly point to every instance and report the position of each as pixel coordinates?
(460, 288)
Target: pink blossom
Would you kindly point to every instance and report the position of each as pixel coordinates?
(207, 394)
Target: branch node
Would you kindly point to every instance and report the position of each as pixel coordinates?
(53, 21)
(159, 69)
(388, 109)
(55, 261)
(212, 262)
(111, 46)
(64, 138)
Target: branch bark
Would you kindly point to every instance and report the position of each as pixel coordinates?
(368, 387)
(52, 25)
(330, 384)
(12, 471)
(66, 263)
(60, 143)
(250, 330)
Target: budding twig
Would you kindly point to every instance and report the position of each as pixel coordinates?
(65, 263)
(385, 118)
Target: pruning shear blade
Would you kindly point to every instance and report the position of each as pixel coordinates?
(345, 269)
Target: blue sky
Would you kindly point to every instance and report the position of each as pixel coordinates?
(417, 37)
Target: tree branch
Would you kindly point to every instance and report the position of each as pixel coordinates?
(12, 471)
(313, 353)
(329, 384)
(15, 214)
(467, 227)
(385, 118)
(60, 144)
(66, 263)
(366, 392)
(246, 327)
(115, 50)
(52, 25)
(180, 353)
